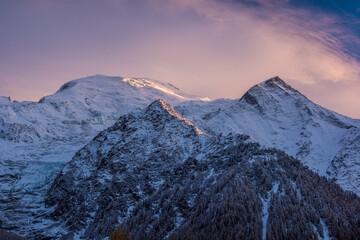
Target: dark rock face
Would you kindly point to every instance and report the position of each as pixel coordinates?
(157, 176)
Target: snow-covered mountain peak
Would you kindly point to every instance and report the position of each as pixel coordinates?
(271, 89)
(279, 116)
(276, 82)
(274, 96)
(159, 107)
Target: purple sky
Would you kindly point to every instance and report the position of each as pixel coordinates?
(206, 47)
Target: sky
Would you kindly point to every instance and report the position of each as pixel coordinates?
(213, 48)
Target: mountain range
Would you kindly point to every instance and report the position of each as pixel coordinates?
(95, 155)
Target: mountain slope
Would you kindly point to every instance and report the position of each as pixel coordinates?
(121, 166)
(277, 115)
(160, 177)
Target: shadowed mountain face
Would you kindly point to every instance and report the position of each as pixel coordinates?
(278, 116)
(158, 176)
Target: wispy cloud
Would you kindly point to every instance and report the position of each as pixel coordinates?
(272, 38)
(307, 45)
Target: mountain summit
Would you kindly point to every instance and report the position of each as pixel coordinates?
(159, 107)
(276, 82)
(274, 85)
